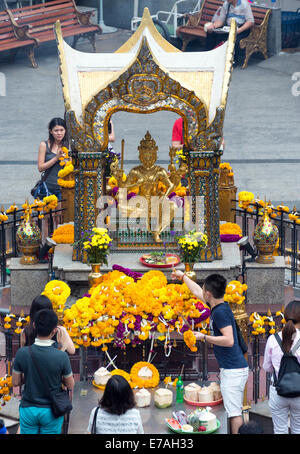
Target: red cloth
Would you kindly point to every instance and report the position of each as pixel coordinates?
(177, 131)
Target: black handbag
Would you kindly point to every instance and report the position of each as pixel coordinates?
(60, 401)
(93, 431)
(40, 190)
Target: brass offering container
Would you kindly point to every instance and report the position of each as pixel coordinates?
(265, 238)
(29, 238)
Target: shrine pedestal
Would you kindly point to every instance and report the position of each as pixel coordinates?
(265, 282)
(76, 273)
(26, 281)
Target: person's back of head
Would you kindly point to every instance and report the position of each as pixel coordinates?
(216, 285)
(45, 322)
(251, 427)
(292, 318)
(118, 396)
(40, 302)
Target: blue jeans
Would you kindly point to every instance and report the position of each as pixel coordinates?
(38, 420)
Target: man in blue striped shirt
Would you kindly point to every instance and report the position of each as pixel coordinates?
(240, 11)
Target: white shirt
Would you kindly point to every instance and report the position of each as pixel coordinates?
(107, 423)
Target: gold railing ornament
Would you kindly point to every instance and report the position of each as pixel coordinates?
(29, 238)
(265, 238)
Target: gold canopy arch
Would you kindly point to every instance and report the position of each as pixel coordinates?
(146, 75)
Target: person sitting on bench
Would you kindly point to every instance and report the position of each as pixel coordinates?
(240, 10)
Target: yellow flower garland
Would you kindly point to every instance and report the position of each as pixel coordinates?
(230, 228)
(190, 340)
(234, 292)
(122, 311)
(144, 382)
(58, 292)
(64, 234)
(5, 387)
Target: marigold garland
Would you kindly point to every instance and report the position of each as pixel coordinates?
(58, 292)
(122, 311)
(230, 228)
(5, 387)
(190, 340)
(141, 382)
(64, 234)
(234, 292)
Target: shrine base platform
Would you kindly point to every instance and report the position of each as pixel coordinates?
(76, 273)
(86, 397)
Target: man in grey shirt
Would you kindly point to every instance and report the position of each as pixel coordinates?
(36, 416)
(240, 11)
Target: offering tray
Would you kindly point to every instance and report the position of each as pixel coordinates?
(203, 404)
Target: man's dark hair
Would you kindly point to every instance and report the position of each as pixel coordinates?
(118, 396)
(216, 285)
(251, 427)
(45, 322)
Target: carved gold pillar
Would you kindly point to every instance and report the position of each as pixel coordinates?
(204, 177)
(88, 188)
(227, 195)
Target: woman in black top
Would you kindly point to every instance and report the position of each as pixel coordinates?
(49, 153)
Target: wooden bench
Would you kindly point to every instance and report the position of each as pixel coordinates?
(41, 18)
(256, 41)
(12, 38)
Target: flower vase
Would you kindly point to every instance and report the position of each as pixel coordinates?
(189, 271)
(95, 277)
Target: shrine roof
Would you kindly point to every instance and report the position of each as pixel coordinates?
(207, 74)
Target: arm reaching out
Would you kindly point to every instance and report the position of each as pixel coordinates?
(193, 286)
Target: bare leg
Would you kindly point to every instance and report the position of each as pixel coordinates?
(235, 424)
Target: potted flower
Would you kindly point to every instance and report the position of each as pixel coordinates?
(190, 246)
(96, 243)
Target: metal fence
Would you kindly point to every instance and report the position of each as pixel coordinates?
(8, 237)
(289, 238)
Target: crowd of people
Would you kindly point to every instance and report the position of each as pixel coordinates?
(51, 345)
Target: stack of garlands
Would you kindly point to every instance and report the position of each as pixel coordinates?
(67, 169)
(58, 292)
(230, 232)
(234, 292)
(64, 234)
(5, 387)
(122, 311)
(190, 246)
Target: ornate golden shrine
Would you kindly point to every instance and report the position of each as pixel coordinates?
(146, 75)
